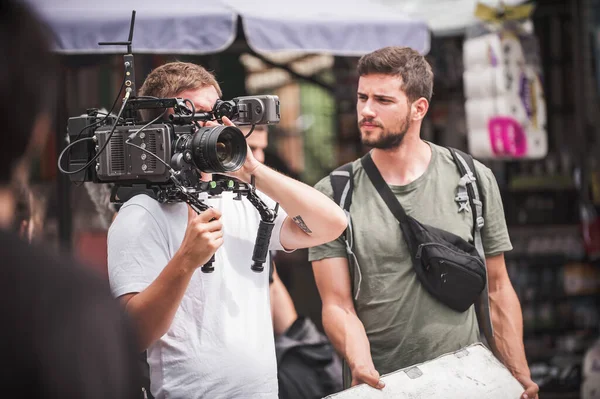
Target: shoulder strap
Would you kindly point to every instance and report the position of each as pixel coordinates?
(342, 184)
(466, 166)
(384, 190)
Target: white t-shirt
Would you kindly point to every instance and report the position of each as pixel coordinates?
(220, 344)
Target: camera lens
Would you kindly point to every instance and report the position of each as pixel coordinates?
(224, 151)
(218, 149)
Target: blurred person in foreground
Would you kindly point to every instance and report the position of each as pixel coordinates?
(63, 335)
(393, 322)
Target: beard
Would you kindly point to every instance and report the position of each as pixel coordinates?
(387, 139)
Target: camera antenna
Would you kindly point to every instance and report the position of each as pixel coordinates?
(128, 58)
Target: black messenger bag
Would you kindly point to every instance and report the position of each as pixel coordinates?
(449, 267)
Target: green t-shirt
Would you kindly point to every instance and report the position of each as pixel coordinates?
(404, 323)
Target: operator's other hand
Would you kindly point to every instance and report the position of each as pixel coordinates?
(203, 236)
(531, 388)
(367, 375)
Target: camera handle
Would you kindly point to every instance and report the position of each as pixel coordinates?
(198, 206)
(181, 193)
(265, 227)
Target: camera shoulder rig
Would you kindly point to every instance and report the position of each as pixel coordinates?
(179, 193)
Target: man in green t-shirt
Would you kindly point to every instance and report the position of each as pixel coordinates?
(377, 313)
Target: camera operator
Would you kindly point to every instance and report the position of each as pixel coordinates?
(209, 334)
(63, 335)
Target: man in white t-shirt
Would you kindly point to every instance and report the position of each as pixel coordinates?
(208, 334)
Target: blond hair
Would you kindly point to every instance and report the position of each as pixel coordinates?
(170, 79)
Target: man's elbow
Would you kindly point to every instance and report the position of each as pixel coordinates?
(146, 332)
(336, 226)
(148, 338)
(334, 307)
(328, 313)
(341, 222)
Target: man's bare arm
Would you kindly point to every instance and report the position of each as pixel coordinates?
(313, 219)
(153, 309)
(283, 310)
(507, 320)
(340, 321)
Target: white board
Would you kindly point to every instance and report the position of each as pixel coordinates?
(472, 372)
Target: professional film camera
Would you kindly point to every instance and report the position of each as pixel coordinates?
(164, 157)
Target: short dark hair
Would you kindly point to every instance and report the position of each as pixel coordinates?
(416, 73)
(27, 80)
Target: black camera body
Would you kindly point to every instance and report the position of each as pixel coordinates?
(130, 152)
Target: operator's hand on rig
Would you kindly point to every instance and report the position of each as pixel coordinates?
(203, 236)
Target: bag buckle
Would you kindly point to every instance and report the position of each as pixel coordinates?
(480, 222)
(462, 198)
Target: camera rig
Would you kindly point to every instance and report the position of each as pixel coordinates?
(164, 157)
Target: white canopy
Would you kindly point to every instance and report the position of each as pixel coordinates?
(445, 17)
(338, 27)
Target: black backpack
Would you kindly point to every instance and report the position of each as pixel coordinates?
(307, 365)
(437, 255)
